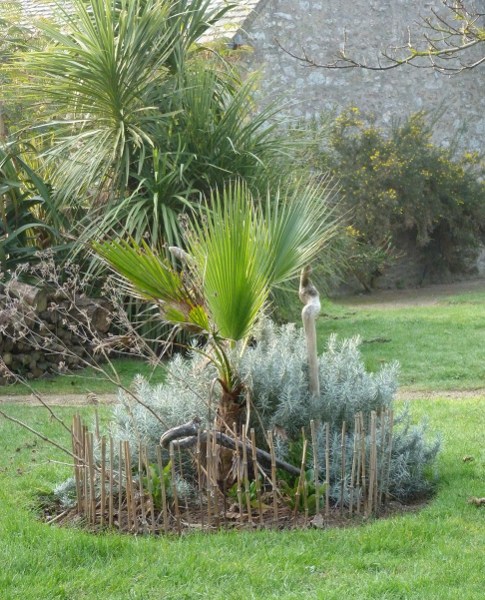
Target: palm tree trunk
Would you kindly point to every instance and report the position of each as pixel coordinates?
(229, 420)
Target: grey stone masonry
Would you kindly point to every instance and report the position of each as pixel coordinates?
(319, 28)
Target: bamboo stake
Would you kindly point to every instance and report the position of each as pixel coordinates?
(86, 473)
(354, 463)
(376, 466)
(273, 476)
(246, 473)
(141, 486)
(199, 479)
(315, 466)
(174, 487)
(381, 457)
(208, 460)
(215, 471)
(150, 490)
(372, 465)
(358, 419)
(127, 489)
(389, 455)
(120, 492)
(131, 501)
(87, 454)
(82, 464)
(257, 480)
(303, 477)
(238, 475)
(327, 469)
(76, 461)
(83, 467)
(342, 465)
(301, 481)
(111, 476)
(92, 485)
(364, 456)
(134, 505)
(75, 451)
(103, 479)
(163, 490)
(370, 478)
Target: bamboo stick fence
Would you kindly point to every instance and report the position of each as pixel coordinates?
(143, 496)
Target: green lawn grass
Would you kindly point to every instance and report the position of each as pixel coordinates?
(436, 553)
(89, 380)
(439, 346)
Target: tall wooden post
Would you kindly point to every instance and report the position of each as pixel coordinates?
(310, 297)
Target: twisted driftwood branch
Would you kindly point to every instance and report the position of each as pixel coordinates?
(310, 297)
(186, 436)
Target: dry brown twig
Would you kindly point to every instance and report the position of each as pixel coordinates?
(446, 46)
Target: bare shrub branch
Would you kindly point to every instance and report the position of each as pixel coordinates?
(444, 47)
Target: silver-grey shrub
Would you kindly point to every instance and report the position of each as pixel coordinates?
(185, 394)
(274, 372)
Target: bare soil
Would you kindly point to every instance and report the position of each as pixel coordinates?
(64, 400)
(423, 296)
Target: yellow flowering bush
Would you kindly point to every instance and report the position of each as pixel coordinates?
(399, 185)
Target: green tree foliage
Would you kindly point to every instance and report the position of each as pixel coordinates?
(140, 119)
(28, 218)
(401, 185)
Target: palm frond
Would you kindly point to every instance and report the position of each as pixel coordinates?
(301, 224)
(229, 249)
(151, 276)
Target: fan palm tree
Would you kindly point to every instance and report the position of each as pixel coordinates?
(238, 248)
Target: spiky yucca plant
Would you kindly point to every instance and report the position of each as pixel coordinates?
(137, 123)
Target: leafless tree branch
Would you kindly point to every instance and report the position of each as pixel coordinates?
(445, 45)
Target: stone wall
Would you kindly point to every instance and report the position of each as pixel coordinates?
(371, 25)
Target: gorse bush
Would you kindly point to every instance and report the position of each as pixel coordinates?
(274, 372)
(399, 184)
